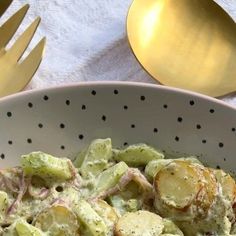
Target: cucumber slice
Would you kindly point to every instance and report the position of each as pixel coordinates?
(95, 158)
(47, 166)
(110, 177)
(138, 155)
(25, 229)
(90, 220)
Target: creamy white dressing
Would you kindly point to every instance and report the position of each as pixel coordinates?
(83, 186)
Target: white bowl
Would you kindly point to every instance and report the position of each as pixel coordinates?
(62, 120)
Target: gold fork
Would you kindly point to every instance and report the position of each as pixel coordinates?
(4, 5)
(15, 75)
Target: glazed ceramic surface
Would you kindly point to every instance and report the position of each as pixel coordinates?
(63, 120)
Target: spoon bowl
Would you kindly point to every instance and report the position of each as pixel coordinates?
(185, 44)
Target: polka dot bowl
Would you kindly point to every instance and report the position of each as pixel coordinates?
(63, 120)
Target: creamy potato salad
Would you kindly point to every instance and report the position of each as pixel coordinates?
(104, 192)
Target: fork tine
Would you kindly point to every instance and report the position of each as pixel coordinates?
(4, 5)
(29, 66)
(8, 29)
(17, 50)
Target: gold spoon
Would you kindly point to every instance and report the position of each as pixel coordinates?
(189, 44)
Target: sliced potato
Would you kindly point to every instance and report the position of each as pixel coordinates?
(108, 214)
(177, 184)
(208, 193)
(227, 183)
(191, 160)
(155, 166)
(139, 223)
(105, 210)
(185, 191)
(58, 220)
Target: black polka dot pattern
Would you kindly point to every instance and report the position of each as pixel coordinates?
(62, 126)
(198, 126)
(30, 105)
(29, 140)
(191, 102)
(142, 98)
(221, 145)
(176, 138)
(45, 97)
(180, 119)
(132, 120)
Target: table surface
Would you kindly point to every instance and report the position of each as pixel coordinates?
(86, 41)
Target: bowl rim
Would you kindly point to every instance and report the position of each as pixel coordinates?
(130, 84)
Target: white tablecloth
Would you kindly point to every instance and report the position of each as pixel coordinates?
(86, 41)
